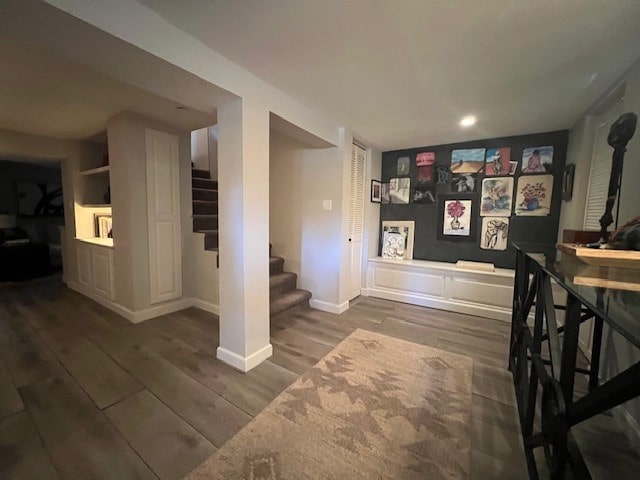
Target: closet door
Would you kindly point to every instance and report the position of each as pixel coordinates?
(163, 206)
(356, 218)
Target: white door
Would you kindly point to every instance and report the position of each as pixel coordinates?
(356, 218)
(163, 208)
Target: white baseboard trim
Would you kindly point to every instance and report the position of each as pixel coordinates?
(497, 313)
(329, 307)
(133, 316)
(206, 306)
(244, 364)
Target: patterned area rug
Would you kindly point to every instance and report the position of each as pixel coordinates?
(374, 407)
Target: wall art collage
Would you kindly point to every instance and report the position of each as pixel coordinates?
(484, 187)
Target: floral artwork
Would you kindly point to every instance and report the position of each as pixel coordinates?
(495, 231)
(497, 161)
(467, 161)
(464, 183)
(399, 190)
(537, 159)
(497, 193)
(425, 159)
(403, 166)
(457, 218)
(533, 195)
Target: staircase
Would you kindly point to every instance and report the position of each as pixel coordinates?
(205, 207)
(283, 295)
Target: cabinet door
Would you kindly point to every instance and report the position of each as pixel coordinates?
(163, 208)
(102, 263)
(84, 265)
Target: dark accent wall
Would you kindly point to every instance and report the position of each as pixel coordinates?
(523, 229)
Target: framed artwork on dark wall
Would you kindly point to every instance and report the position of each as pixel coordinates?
(376, 191)
(567, 182)
(457, 217)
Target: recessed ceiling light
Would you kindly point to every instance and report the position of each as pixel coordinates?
(468, 121)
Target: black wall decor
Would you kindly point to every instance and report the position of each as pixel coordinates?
(427, 246)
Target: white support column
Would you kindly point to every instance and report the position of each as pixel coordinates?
(243, 209)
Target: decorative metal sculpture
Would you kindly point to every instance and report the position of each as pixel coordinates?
(621, 132)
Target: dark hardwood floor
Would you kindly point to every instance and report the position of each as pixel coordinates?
(84, 394)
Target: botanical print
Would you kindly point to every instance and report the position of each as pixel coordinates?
(533, 195)
(397, 239)
(464, 183)
(425, 173)
(467, 161)
(425, 158)
(495, 231)
(442, 174)
(457, 218)
(403, 166)
(497, 193)
(537, 159)
(399, 190)
(497, 161)
(385, 193)
(423, 193)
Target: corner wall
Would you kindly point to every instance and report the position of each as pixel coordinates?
(305, 235)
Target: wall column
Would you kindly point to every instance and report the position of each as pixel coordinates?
(243, 209)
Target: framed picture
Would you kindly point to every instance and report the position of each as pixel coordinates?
(403, 166)
(397, 240)
(376, 191)
(400, 190)
(103, 225)
(384, 192)
(465, 182)
(533, 195)
(567, 182)
(497, 196)
(495, 233)
(498, 161)
(456, 221)
(537, 159)
(467, 161)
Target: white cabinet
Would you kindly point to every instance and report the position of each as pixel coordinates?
(95, 269)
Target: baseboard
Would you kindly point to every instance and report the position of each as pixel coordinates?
(497, 313)
(206, 306)
(629, 426)
(329, 307)
(244, 364)
(133, 316)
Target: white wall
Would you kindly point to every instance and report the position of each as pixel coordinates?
(371, 238)
(618, 353)
(200, 148)
(306, 236)
(127, 154)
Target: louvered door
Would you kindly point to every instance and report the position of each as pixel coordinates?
(356, 218)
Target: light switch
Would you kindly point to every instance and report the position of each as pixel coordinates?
(327, 204)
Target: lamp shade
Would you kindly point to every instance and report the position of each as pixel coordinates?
(7, 220)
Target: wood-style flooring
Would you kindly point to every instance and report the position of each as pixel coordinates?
(84, 394)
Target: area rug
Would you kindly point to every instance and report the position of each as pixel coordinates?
(374, 407)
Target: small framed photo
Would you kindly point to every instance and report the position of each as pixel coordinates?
(103, 225)
(567, 181)
(376, 191)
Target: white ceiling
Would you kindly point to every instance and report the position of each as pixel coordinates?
(44, 94)
(402, 73)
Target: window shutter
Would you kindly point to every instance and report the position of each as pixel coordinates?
(600, 172)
